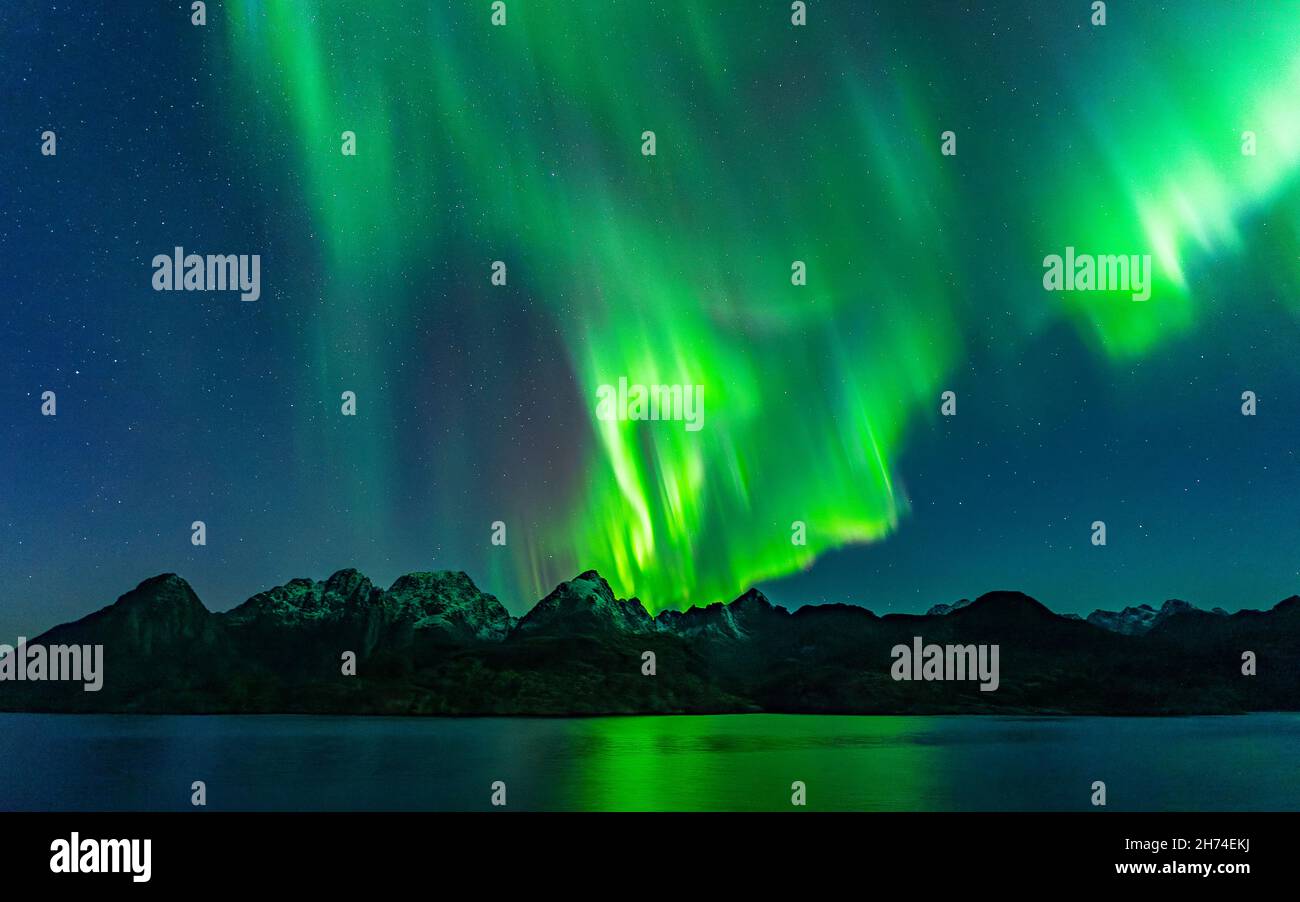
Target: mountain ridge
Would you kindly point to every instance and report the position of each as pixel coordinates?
(434, 643)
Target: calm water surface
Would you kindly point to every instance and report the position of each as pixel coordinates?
(737, 762)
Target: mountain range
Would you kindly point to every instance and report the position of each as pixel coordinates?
(434, 644)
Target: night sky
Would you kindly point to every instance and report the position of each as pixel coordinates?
(775, 143)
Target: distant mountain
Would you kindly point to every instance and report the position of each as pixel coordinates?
(940, 609)
(1135, 621)
(748, 615)
(433, 643)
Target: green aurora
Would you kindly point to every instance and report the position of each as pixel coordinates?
(774, 144)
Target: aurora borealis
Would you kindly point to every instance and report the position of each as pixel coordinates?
(547, 146)
(775, 144)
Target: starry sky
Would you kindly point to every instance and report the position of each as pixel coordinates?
(775, 143)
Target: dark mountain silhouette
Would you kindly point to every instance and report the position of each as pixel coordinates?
(433, 643)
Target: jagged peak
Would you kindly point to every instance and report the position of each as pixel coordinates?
(158, 597)
(161, 586)
(751, 597)
(588, 601)
(598, 584)
(420, 579)
(733, 618)
(165, 579)
(346, 576)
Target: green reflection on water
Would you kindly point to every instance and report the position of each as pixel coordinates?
(690, 763)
